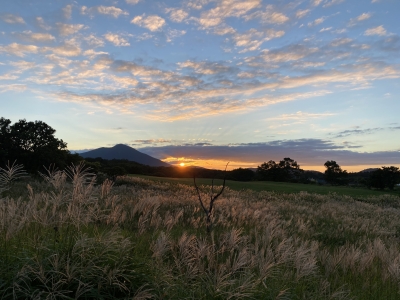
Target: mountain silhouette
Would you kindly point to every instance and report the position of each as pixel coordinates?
(121, 151)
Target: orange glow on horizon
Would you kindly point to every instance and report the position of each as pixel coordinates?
(221, 164)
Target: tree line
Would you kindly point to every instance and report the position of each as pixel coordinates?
(34, 145)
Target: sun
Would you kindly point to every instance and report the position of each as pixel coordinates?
(182, 164)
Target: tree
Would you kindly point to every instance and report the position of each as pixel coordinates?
(385, 177)
(334, 173)
(33, 144)
(241, 174)
(268, 171)
(286, 170)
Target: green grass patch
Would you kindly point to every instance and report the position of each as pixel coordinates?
(278, 187)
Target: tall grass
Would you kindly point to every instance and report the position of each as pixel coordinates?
(68, 238)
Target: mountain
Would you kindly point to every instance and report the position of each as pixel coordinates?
(369, 170)
(121, 151)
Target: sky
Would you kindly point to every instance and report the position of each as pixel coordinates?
(206, 82)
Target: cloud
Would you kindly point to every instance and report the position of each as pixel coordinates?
(40, 22)
(315, 2)
(302, 116)
(152, 22)
(33, 37)
(92, 54)
(363, 17)
(65, 49)
(172, 34)
(340, 41)
(360, 18)
(293, 52)
(252, 39)
(12, 88)
(19, 49)
(332, 2)
(205, 68)
(68, 29)
(307, 152)
(22, 65)
(302, 13)
(116, 39)
(326, 29)
(225, 9)
(132, 2)
(222, 30)
(316, 22)
(269, 16)
(103, 10)
(346, 133)
(379, 30)
(177, 15)
(67, 11)
(153, 141)
(12, 19)
(93, 41)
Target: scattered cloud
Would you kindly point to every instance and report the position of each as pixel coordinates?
(12, 19)
(340, 41)
(93, 41)
(360, 18)
(133, 2)
(152, 22)
(346, 133)
(316, 22)
(40, 22)
(252, 39)
(332, 2)
(19, 49)
(223, 30)
(379, 30)
(177, 15)
(301, 13)
(12, 88)
(33, 37)
(315, 2)
(116, 39)
(225, 9)
(205, 68)
(302, 116)
(65, 49)
(68, 29)
(326, 29)
(104, 10)
(270, 16)
(67, 11)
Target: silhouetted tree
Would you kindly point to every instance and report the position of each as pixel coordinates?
(286, 170)
(385, 177)
(334, 173)
(33, 144)
(241, 174)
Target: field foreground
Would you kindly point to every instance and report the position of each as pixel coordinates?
(147, 240)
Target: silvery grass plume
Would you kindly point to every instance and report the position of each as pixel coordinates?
(55, 177)
(10, 174)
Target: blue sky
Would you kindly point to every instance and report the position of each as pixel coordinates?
(209, 81)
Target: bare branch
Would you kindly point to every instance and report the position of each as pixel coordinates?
(208, 212)
(198, 193)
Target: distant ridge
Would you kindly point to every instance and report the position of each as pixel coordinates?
(121, 151)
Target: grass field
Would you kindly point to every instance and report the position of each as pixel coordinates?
(278, 187)
(146, 239)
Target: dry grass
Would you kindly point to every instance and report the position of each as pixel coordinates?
(67, 237)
